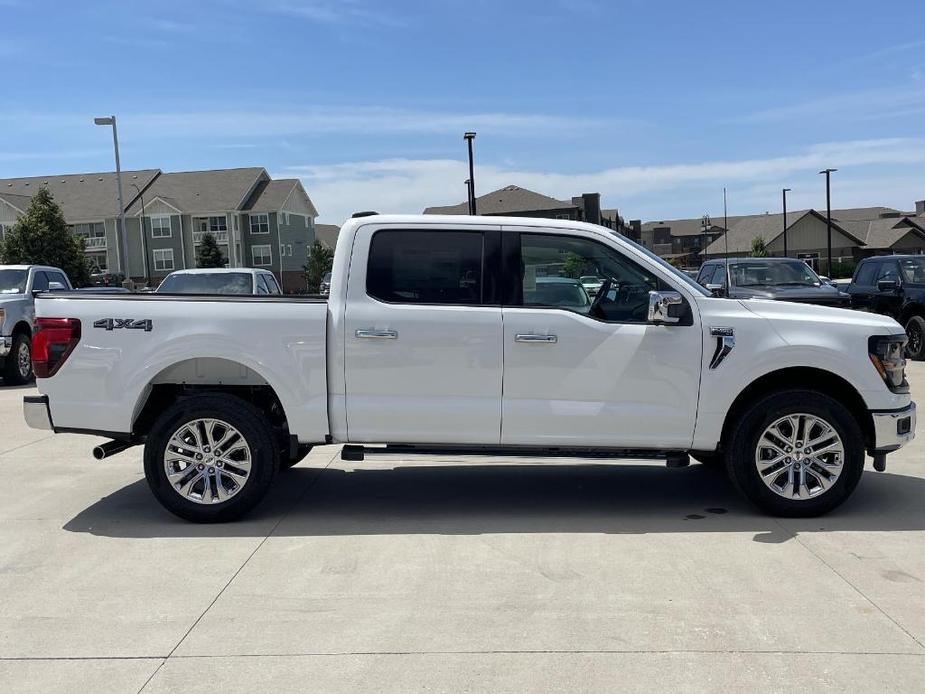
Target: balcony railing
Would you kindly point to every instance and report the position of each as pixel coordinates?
(220, 236)
(95, 242)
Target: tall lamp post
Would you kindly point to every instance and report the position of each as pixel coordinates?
(784, 193)
(469, 137)
(828, 218)
(144, 239)
(123, 261)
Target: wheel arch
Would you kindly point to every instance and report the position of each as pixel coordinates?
(805, 378)
(913, 308)
(22, 328)
(201, 375)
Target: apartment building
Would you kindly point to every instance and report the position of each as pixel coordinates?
(258, 221)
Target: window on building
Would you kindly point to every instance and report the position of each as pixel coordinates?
(160, 227)
(216, 225)
(261, 255)
(94, 234)
(426, 267)
(285, 250)
(163, 259)
(260, 223)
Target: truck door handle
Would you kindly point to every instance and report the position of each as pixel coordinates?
(529, 337)
(378, 334)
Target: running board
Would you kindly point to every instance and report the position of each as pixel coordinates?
(356, 452)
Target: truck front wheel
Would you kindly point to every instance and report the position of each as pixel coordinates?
(915, 331)
(796, 453)
(210, 458)
(17, 370)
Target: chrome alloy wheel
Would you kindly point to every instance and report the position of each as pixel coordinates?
(24, 360)
(207, 461)
(799, 456)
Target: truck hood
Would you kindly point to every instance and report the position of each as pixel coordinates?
(825, 294)
(786, 312)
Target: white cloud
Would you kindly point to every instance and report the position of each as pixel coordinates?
(855, 106)
(410, 185)
(338, 12)
(316, 121)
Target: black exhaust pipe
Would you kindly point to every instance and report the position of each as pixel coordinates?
(110, 448)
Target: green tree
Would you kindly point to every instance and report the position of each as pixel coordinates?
(575, 266)
(320, 260)
(759, 248)
(209, 254)
(41, 237)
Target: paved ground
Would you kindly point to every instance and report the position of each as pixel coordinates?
(452, 575)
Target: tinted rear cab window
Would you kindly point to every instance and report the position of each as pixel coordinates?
(426, 267)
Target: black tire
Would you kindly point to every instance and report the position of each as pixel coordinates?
(15, 373)
(254, 428)
(286, 461)
(741, 451)
(915, 331)
(711, 459)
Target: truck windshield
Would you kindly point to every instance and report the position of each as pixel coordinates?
(13, 281)
(763, 273)
(207, 283)
(683, 277)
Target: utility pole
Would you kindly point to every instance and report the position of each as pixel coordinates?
(785, 191)
(469, 137)
(828, 218)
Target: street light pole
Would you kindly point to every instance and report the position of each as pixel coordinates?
(144, 239)
(468, 183)
(123, 262)
(469, 137)
(828, 218)
(784, 192)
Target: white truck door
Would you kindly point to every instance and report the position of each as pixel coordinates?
(607, 379)
(423, 335)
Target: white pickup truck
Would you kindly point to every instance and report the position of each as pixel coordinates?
(449, 333)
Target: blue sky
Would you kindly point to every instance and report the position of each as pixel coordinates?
(657, 105)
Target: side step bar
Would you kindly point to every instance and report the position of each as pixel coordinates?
(352, 452)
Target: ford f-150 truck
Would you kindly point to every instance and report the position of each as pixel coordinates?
(437, 335)
(18, 286)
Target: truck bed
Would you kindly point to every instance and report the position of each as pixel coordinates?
(132, 342)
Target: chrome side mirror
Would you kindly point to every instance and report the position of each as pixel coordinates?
(660, 304)
(715, 289)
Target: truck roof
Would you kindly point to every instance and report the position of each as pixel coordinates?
(30, 267)
(434, 220)
(219, 271)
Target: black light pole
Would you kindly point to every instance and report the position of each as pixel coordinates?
(468, 194)
(784, 192)
(469, 137)
(705, 224)
(828, 217)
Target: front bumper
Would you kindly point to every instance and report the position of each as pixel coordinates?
(6, 344)
(893, 429)
(36, 412)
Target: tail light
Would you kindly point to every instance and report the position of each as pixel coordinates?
(52, 343)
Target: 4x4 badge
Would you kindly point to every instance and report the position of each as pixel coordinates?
(130, 323)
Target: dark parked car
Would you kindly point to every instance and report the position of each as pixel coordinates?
(894, 285)
(784, 279)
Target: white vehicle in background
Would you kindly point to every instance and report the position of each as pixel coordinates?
(440, 334)
(241, 280)
(18, 286)
(592, 284)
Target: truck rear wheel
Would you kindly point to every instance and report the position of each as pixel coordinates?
(17, 370)
(915, 331)
(796, 453)
(210, 458)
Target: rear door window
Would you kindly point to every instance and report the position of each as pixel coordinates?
(426, 267)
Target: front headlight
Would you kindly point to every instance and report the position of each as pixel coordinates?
(886, 353)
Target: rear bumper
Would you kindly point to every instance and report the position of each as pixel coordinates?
(893, 429)
(36, 412)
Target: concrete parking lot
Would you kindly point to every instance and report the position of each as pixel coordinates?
(452, 574)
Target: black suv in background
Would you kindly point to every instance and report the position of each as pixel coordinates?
(894, 285)
(784, 279)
